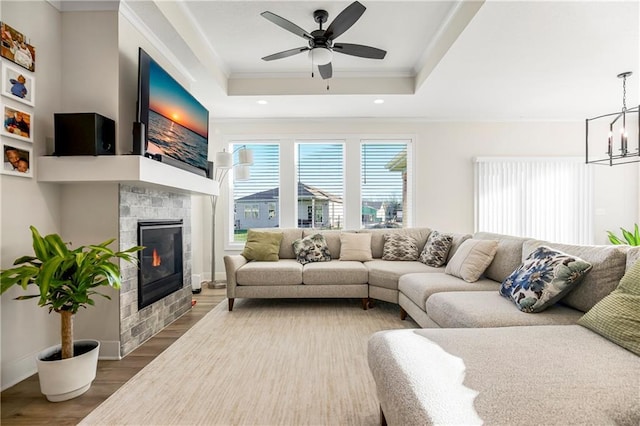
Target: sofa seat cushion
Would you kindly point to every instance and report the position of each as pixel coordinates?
(418, 287)
(481, 309)
(542, 375)
(385, 273)
(608, 267)
(335, 272)
(282, 272)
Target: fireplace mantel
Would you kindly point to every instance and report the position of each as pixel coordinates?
(130, 169)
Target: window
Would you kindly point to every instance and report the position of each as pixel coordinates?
(545, 198)
(320, 175)
(384, 184)
(260, 193)
(251, 212)
(325, 183)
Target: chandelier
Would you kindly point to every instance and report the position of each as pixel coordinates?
(618, 132)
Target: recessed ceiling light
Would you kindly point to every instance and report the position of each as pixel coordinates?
(378, 101)
(262, 102)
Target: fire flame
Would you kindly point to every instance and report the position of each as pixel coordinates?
(156, 259)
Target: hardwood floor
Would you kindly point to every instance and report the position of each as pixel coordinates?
(23, 404)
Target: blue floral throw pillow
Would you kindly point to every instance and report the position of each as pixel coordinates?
(543, 279)
(311, 249)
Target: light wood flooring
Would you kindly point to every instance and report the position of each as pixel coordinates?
(23, 404)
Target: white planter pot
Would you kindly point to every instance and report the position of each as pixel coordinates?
(64, 379)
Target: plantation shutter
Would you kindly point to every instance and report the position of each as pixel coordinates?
(257, 200)
(320, 179)
(385, 192)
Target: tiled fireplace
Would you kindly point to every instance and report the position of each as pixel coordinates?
(142, 316)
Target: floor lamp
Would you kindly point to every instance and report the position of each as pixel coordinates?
(241, 171)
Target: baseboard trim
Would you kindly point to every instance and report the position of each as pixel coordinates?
(109, 350)
(19, 370)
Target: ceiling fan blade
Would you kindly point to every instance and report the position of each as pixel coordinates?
(287, 25)
(326, 71)
(285, 54)
(359, 50)
(345, 20)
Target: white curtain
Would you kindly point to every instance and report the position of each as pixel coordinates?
(545, 198)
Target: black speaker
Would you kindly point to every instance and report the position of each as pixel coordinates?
(139, 147)
(85, 133)
(210, 170)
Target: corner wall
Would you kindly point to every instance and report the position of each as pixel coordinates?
(26, 329)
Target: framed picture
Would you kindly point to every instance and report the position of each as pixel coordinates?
(15, 47)
(17, 123)
(18, 85)
(17, 160)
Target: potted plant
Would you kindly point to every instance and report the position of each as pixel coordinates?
(631, 238)
(67, 281)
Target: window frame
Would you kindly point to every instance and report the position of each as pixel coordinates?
(287, 206)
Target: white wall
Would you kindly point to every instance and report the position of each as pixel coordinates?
(443, 179)
(26, 328)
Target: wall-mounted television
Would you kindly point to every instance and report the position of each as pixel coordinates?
(176, 125)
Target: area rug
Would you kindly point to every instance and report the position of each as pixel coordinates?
(284, 362)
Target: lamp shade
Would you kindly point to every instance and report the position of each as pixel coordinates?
(320, 55)
(224, 160)
(245, 157)
(241, 172)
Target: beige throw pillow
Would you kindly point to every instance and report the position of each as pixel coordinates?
(355, 246)
(471, 259)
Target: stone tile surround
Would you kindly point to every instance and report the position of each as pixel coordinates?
(142, 203)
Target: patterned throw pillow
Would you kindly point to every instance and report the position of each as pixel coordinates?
(436, 249)
(399, 247)
(311, 249)
(543, 278)
(617, 317)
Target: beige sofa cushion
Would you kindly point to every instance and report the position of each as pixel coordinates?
(282, 272)
(457, 241)
(508, 256)
(633, 255)
(377, 237)
(335, 272)
(419, 286)
(471, 259)
(386, 273)
(608, 263)
(489, 309)
(490, 370)
(355, 247)
(332, 237)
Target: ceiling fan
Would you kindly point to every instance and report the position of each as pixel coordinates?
(321, 45)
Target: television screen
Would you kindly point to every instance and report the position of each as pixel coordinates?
(176, 124)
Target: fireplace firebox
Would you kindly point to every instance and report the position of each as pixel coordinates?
(160, 272)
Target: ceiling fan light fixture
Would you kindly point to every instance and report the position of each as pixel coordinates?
(320, 55)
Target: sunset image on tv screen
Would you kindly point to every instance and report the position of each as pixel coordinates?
(178, 123)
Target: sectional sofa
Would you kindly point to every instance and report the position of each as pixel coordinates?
(478, 359)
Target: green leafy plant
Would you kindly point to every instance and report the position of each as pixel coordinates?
(633, 239)
(66, 278)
